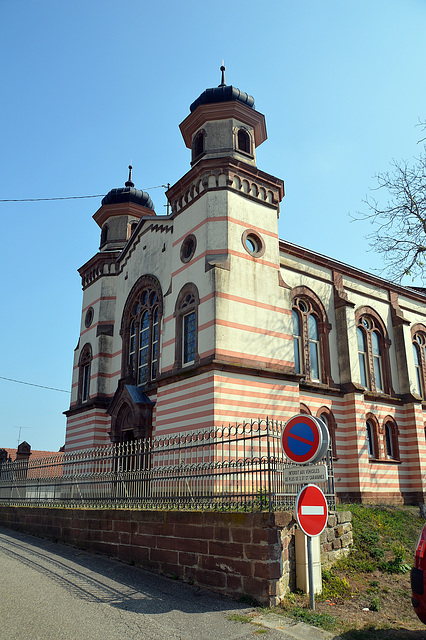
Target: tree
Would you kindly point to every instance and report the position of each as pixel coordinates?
(400, 224)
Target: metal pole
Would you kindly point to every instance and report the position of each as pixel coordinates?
(269, 465)
(311, 573)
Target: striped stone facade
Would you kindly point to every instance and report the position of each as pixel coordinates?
(241, 324)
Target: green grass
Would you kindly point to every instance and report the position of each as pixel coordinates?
(384, 539)
(302, 614)
(239, 617)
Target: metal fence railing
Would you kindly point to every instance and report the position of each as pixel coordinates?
(239, 467)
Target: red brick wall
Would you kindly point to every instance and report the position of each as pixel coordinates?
(231, 553)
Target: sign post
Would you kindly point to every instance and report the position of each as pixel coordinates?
(305, 441)
(311, 516)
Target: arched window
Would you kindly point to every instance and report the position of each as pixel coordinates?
(391, 439)
(310, 336)
(131, 228)
(372, 436)
(198, 144)
(418, 334)
(243, 141)
(304, 409)
(84, 371)
(328, 418)
(362, 357)
(373, 352)
(141, 331)
(104, 234)
(186, 314)
(371, 440)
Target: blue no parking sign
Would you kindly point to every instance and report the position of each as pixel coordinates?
(305, 439)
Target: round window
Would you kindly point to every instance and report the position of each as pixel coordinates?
(253, 243)
(188, 247)
(89, 317)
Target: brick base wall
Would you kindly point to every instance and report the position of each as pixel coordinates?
(231, 553)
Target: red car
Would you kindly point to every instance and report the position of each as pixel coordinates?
(418, 578)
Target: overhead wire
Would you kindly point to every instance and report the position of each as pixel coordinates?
(31, 384)
(97, 195)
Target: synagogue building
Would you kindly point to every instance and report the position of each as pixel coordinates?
(204, 317)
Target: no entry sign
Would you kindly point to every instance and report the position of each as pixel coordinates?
(305, 439)
(311, 510)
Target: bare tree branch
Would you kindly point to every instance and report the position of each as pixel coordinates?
(399, 235)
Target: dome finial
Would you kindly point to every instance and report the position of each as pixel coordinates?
(129, 182)
(222, 68)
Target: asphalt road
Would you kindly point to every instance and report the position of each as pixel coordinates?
(50, 591)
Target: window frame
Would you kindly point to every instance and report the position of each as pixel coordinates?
(305, 304)
(198, 150)
(145, 300)
(325, 412)
(418, 340)
(377, 364)
(84, 373)
(187, 303)
(244, 143)
(371, 425)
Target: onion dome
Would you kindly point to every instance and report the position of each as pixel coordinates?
(128, 193)
(222, 93)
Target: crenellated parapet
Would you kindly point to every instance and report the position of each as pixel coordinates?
(225, 173)
(100, 265)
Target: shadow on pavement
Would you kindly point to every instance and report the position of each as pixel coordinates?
(96, 578)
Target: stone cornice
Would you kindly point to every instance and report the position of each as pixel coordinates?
(349, 271)
(120, 209)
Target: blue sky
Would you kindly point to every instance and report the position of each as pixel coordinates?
(88, 86)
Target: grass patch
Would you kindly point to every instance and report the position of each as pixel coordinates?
(384, 538)
(240, 617)
(334, 587)
(289, 607)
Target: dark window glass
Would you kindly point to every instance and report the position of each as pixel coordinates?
(243, 141)
(86, 383)
(389, 441)
(370, 439)
(189, 337)
(143, 345)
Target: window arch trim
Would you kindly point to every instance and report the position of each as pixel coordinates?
(393, 455)
(332, 426)
(244, 142)
(198, 145)
(378, 327)
(84, 373)
(371, 420)
(131, 330)
(324, 328)
(187, 303)
(420, 330)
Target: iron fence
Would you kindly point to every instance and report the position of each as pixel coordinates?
(240, 466)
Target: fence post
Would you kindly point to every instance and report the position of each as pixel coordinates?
(269, 466)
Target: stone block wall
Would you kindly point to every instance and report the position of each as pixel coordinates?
(336, 539)
(234, 554)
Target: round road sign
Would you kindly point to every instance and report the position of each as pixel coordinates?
(311, 510)
(305, 439)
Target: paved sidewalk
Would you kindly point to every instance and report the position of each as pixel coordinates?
(50, 591)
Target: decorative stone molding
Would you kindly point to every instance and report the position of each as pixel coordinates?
(225, 173)
(100, 265)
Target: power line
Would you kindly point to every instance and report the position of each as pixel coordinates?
(31, 384)
(98, 195)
